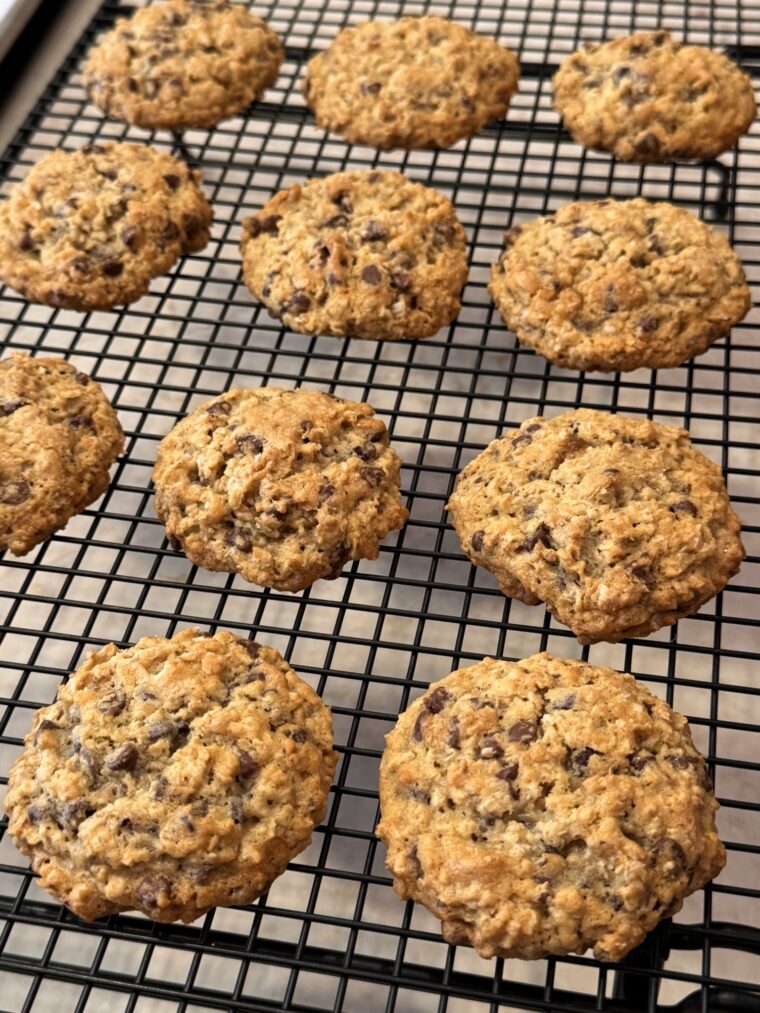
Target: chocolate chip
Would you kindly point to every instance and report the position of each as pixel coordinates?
(170, 231)
(218, 408)
(511, 235)
(367, 453)
(659, 38)
(9, 407)
(648, 323)
(236, 810)
(638, 261)
(417, 730)
(112, 268)
(130, 236)
(159, 788)
(640, 761)
(681, 762)
(322, 249)
(541, 535)
(14, 493)
(585, 326)
(579, 760)
(113, 703)
(326, 490)
(124, 758)
(619, 73)
(252, 647)
(685, 506)
(400, 280)
(88, 760)
(567, 703)
(672, 851)
(523, 731)
(477, 540)
(298, 735)
(371, 276)
(152, 890)
(508, 773)
(44, 726)
(71, 814)
(109, 174)
(82, 379)
(299, 302)
(374, 476)
(192, 225)
(26, 243)
(417, 869)
(523, 438)
(247, 766)
(80, 422)
(175, 543)
(172, 181)
(533, 427)
(335, 222)
(454, 738)
(610, 303)
(39, 812)
(489, 749)
(343, 201)
(94, 149)
(373, 230)
(132, 85)
(332, 280)
(435, 702)
(271, 224)
(249, 443)
(642, 573)
(240, 539)
(161, 730)
(187, 823)
(370, 89)
(648, 145)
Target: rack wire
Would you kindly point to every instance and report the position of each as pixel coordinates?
(331, 935)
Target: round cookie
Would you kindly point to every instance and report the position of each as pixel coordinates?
(357, 254)
(646, 98)
(280, 486)
(618, 524)
(171, 777)
(414, 83)
(59, 436)
(617, 285)
(183, 64)
(89, 229)
(546, 807)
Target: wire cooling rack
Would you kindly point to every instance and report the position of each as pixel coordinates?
(331, 935)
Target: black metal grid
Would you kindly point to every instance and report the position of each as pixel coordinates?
(331, 935)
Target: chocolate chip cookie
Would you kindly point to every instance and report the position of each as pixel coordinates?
(171, 777)
(617, 285)
(618, 524)
(546, 807)
(183, 64)
(280, 486)
(357, 254)
(647, 98)
(414, 83)
(89, 229)
(59, 436)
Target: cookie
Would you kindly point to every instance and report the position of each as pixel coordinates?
(171, 777)
(646, 98)
(545, 807)
(357, 254)
(280, 486)
(617, 285)
(183, 64)
(414, 83)
(59, 436)
(89, 229)
(618, 524)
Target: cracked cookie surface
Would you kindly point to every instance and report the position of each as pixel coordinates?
(545, 807)
(280, 486)
(357, 254)
(183, 64)
(172, 777)
(617, 524)
(414, 83)
(59, 436)
(89, 229)
(617, 285)
(647, 98)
